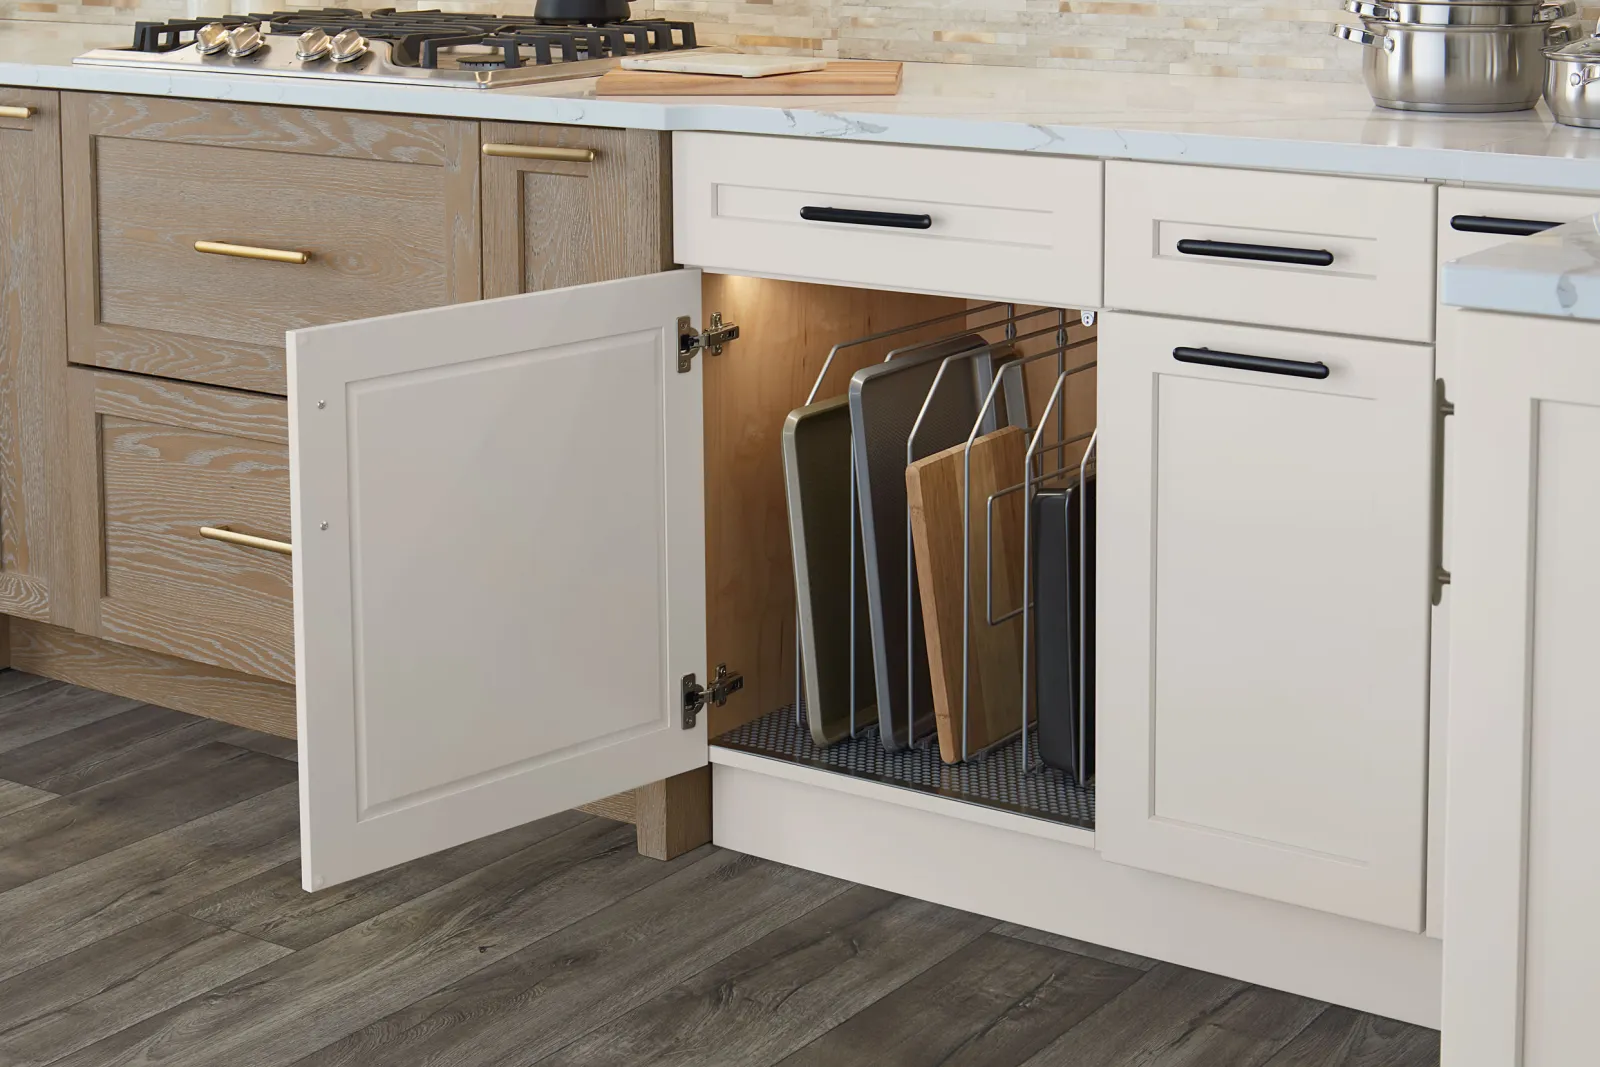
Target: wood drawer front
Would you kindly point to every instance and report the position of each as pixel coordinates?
(386, 208)
(153, 462)
(1380, 234)
(1465, 208)
(1010, 227)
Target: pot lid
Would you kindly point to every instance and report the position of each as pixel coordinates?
(1584, 50)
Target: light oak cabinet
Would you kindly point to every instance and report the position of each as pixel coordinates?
(1520, 982)
(1264, 593)
(32, 360)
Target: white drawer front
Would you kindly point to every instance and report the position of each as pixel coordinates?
(1374, 240)
(1011, 227)
(1466, 216)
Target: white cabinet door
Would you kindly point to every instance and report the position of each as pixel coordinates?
(1263, 612)
(499, 565)
(1522, 899)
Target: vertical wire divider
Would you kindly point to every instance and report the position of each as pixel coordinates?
(1083, 602)
(1027, 552)
(911, 444)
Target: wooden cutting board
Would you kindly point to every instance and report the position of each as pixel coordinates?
(994, 682)
(845, 78)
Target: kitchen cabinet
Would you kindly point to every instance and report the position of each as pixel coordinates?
(565, 205)
(1519, 979)
(1264, 575)
(32, 359)
(197, 231)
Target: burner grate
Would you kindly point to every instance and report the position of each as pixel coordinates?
(993, 780)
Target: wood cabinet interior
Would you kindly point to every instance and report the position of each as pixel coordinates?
(786, 331)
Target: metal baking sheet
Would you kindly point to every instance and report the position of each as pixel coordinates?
(1063, 628)
(826, 545)
(885, 400)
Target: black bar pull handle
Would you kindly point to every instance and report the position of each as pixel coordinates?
(1295, 368)
(1302, 257)
(897, 219)
(1508, 227)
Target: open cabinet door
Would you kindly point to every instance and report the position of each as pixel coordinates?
(499, 565)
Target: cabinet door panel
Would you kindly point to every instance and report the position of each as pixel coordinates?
(1519, 975)
(499, 565)
(33, 362)
(1264, 616)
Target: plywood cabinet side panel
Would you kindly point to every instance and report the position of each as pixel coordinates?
(553, 223)
(33, 361)
(787, 331)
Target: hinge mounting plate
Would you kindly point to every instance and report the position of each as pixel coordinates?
(710, 340)
(724, 684)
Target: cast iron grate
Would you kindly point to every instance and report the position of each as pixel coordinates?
(993, 780)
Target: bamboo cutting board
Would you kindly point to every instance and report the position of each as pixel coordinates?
(994, 684)
(846, 78)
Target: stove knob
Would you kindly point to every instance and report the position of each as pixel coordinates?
(211, 39)
(347, 46)
(313, 44)
(245, 40)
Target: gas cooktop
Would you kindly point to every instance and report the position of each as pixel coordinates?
(562, 39)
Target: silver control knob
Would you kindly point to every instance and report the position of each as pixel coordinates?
(211, 39)
(347, 46)
(245, 40)
(313, 44)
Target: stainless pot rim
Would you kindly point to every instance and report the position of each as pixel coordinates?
(1462, 13)
(1381, 25)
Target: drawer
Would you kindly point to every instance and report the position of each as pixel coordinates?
(1341, 255)
(1471, 220)
(153, 462)
(382, 210)
(978, 224)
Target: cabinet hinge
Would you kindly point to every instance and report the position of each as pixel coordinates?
(724, 684)
(710, 340)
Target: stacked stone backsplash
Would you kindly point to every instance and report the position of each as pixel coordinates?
(1249, 38)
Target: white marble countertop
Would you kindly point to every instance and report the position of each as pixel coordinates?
(1222, 121)
(1552, 273)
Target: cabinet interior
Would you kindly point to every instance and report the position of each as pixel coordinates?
(787, 331)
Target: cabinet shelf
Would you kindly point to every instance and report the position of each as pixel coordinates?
(994, 780)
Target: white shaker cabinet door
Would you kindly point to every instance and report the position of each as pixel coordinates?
(499, 565)
(1263, 611)
(1522, 894)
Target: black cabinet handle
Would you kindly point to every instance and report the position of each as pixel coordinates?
(898, 219)
(1304, 257)
(1265, 364)
(1508, 227)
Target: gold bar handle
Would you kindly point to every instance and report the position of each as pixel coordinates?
(9, 112)
(533, 151)
(228, 535)
(271, 255)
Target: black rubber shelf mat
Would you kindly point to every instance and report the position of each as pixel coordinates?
(993, 780)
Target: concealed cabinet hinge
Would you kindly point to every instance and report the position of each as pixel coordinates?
(724, 684)
(710, 340)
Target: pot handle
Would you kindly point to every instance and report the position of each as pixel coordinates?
(1368, 10)
(1557, 33)
(1583, 76)
(1366, 37)
(1552, 10)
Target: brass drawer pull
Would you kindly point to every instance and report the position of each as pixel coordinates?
(272, 255)
(228, 536)
(9, 112)
(532, 151)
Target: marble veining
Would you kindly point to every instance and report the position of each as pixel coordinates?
(1237, 122)
(1553, 273)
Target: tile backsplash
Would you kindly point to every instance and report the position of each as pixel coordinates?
(1249, 38)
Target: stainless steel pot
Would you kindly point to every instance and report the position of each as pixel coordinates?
(1419, 67)
(1572, 83)
(1463, 12)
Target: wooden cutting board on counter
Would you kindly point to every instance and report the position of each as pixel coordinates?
(994, 685)
(843, 78)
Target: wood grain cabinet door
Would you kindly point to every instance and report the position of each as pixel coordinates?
(499, 564)
(33, 359)
(198, 232)
(1522, 867)
(568, 205)
(1264, 599)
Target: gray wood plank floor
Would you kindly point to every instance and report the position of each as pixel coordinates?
(150, 913)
